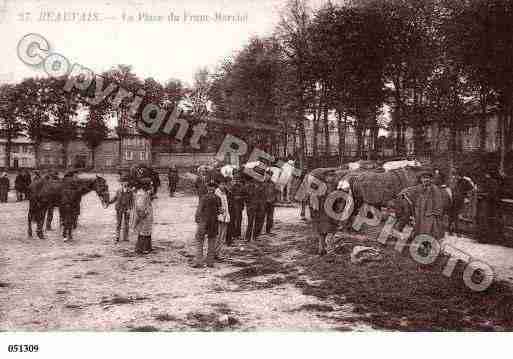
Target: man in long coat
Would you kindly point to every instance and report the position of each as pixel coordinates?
(428, 203)
(4, 187)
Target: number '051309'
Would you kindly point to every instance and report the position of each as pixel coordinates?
(22, 348)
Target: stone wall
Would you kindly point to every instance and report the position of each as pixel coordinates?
(164, 160)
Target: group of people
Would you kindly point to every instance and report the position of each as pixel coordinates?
(133, 203)
(221, 201)
(21, 186)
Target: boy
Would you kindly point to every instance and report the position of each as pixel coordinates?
(206, 217)
(224, 217)
(143, 222)
(124, 200)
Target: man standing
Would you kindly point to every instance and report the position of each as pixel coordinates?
(237, 198)
(271, 196)
(124, 203)
(209, 207)
(428, 202)
(19, 186)
(255, 209)
(4, 187)
(172, 177)
(201, 181)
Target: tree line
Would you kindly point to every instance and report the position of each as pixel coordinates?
(443, 61)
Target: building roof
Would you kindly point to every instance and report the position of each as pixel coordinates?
(18, 140)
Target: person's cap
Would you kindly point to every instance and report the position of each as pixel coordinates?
(426, 174)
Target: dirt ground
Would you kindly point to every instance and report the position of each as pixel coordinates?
(277, 283)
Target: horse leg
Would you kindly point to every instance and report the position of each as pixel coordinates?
(322, 244)
(40, 222)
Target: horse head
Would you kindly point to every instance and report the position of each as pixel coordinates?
(102, 190)
(402, 207)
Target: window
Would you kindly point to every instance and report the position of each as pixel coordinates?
(47, 146)
(143, 156)
(108, 162)
(129, 155)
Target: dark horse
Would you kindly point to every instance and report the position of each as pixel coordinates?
(45, 194)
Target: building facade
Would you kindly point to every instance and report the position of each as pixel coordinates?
(22, 153)
(437, 138)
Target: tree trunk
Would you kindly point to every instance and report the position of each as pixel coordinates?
(93, 157)
(327, 149)
(302, 144)
(452, 145)
(359, 142)
(502, 142)
(36, 153)
(8, 147)
(341, 137)
(418, 140)
(65, 146)
(315, 138)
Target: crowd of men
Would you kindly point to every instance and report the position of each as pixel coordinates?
(221, 201)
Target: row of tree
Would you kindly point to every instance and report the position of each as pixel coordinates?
(444, 61)
(449, 61)
(41, 108)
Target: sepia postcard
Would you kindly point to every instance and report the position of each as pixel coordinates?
(254, 167)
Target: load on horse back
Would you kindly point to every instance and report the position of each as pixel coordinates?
(47, 193)
(373, 186)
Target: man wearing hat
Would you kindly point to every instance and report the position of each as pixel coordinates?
(209, 207)
(124, 201)
(428, 202)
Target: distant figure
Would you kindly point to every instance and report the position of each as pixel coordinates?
(172, 177)
(124, 201)
(155, 182)
(19, 186)
(143, 216)
(4, 187)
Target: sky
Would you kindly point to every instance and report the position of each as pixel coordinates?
(131, 32)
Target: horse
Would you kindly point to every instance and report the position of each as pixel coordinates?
(374, 187)
(48, 193)
(462, 189)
